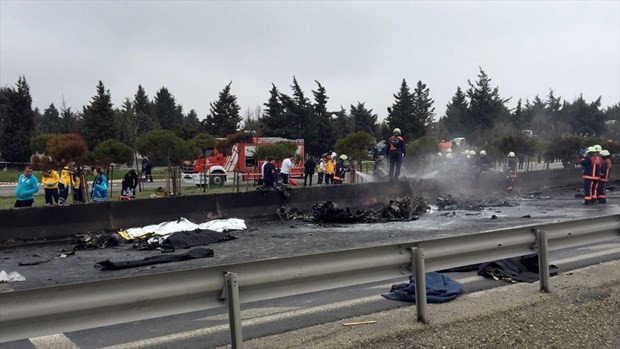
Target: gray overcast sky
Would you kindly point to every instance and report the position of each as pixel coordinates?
(360, 51)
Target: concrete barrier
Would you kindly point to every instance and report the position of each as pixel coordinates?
(40, 223)
(64, 221)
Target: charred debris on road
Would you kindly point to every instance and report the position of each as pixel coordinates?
(401, 209)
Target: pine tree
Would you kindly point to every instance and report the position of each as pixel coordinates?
(49, 122)
(423, 111)
(223, 118)
(191, 125)
(343, 124)
(126, 122)
(273, 125)
(143, 108)
(166, 110)
(363, 119)
(401, 113)
(557, 125)
(307, 119)
(68, 118)
(297, 114)
(517, 118)
(325, 125)
(486, 108)
(98, 118)
(586, 119)
(455, 122)
(16, 122)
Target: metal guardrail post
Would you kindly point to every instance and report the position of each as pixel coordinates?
(234, 310)
(543, 259)
(420, 284)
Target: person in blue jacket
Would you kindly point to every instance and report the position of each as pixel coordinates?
(99, 191)
(27, 185)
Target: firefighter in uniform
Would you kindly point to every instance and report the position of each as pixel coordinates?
(591, 165)
(605, 171)
(396, 153)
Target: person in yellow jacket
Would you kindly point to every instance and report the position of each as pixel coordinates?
(330, 169)
(50, 181)
(76, 179)
(65, 183)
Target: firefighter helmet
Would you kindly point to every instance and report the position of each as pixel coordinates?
(343, 157)
(511, 154)
(591, 150)
(396, 131)
(597, 148)
(605, 152)
(483, 152)
(440, 154)
(472, 152)
(449, 156)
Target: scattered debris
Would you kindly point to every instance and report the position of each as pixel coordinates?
(493, 217)
(517, 269)
(33, 262)
(191, 254)
(11, 277)
(396, 210)
(527, 216)
(91, 241)
(286, 213)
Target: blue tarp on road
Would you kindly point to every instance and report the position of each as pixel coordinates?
(439, 289)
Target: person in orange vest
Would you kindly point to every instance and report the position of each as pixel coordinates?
(395, 152)
(591, 165)
(330, 169)
(605, 171)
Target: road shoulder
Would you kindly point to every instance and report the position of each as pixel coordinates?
(581, 311)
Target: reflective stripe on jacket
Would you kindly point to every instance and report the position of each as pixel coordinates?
(591, 167)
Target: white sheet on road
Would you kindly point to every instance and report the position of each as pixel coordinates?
(183, 224)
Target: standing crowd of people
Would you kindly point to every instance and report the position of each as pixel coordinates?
(329, 168)
(56, 186)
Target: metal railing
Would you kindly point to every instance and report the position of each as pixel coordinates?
(58, 309)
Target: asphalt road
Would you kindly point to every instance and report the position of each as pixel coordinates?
(274, 239)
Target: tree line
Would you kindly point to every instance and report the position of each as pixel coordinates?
(478, 113)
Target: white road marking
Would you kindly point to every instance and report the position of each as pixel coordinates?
(586, 256)
(53, 341)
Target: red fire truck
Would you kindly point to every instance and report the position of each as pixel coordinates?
(219, 167)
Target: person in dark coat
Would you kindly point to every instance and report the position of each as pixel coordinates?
(309, 167)
(130, 182)
(146, 168)
(269, 174)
